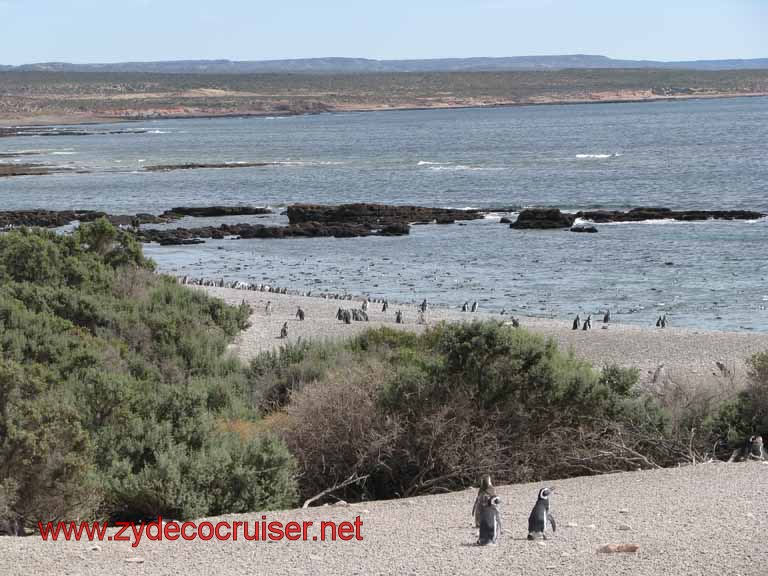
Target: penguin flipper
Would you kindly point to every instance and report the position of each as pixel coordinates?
(552, 522)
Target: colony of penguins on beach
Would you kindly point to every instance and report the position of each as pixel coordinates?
(360, 315)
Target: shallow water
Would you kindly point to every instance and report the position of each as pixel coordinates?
(696, 154)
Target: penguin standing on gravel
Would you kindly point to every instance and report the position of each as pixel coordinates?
(540, 517)
(490, 520)
(385, 306)
(474, 306)
(465, 307)
(607, 317)
(486, 489)
(284, 331)
(576, 323)
(398, 317)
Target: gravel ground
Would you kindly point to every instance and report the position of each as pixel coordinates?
(698, 520)
(679, 352)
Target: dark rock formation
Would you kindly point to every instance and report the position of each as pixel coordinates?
(213, 211)
(584, 228)
(307, 230)
(56, 219)
(20, 169)
(550, 218)
(647, 213)
(542, 219)
(196, 166)
(505, 220)
(376, 214)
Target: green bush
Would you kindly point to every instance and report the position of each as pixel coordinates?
(415, 414)
(113, 382)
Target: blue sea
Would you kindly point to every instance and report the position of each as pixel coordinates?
(695, 154)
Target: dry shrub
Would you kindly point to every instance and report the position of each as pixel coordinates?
(334, 429)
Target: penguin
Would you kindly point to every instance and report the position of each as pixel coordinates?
(365, 305)
(339, 314)
(490, 520)
(268, 308)
(576, 323)
(465, 307)
(398, 317)
(474, 306)
(515, 322)
(589, 321)
(754, 448)
(486, 489)
(540, 517)
(658, 322)
(347, 317)
(284, 331)
(423, 306)
(664, 321)
(385, 306)
(607, 317)
(300, 314)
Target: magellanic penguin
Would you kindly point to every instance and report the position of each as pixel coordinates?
(607, 317)
(540, 517)
(486, 489)
(576, 323)
(490, 520)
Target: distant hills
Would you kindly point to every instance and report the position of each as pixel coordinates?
(363, 65)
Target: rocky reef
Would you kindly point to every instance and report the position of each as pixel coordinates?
(553, 218)
(376, 214)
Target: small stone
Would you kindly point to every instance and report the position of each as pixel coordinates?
(540, 543)
(365, 511)
(571, 525)
(624, 511)
(341, 503)
(135, 560)
(95, 548)
(624, 527)
(315, 557)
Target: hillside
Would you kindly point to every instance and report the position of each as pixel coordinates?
(72, 97)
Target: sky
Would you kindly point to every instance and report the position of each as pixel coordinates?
(83, 31)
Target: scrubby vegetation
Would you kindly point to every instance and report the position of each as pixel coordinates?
(115, 392)
(406, 414)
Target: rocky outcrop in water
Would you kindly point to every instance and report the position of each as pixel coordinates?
(197, 166)
(542, 219)
(376, 214)
(246, 231)
(58, 218)
(646, 213)
(552, 218)
(213, 211)
(19, 169)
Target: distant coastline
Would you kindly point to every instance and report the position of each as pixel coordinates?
(83, 119)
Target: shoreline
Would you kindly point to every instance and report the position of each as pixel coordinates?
(661, 355)
(95, 119)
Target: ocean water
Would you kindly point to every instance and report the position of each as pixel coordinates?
(705, 154)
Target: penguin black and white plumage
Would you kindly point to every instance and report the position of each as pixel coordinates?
(515, 322)
(486, 489)
(607, 317)
(300, 314)
(385, 306)
(398, 317)
(465, 307)
(474, 306)
(576, 323)
(540, 517)
(284, 331)
(423, 306)
(664, 321)
(490, 520)
(658, 322)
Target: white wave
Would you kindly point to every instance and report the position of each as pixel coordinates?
(158, 132)
(62, 153)
(142, 160)
(597, 156)
(427, 163)
(465, 168)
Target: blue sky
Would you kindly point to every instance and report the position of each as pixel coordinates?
(109, 31)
